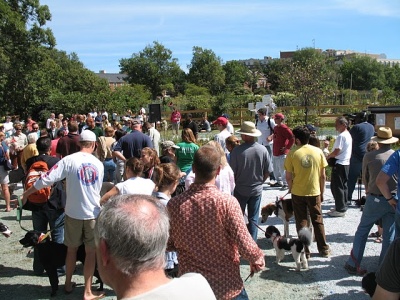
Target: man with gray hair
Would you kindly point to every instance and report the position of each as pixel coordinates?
(131, 234)
(342, 149)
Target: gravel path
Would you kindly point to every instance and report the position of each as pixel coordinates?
(325, 279)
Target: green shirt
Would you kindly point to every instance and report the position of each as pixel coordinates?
(185, 155)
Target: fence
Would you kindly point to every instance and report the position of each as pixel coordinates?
(320, 115)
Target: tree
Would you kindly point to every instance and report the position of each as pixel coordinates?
(362, 73)
(152, 67)
(206, 70)
(273, 71)
(236, 75)
(22, 35)
(310, 78)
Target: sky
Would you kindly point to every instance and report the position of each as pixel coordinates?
(103, 32)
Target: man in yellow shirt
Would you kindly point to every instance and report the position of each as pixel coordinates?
(305, 174)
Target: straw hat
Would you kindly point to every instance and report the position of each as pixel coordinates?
(384, 136)
(249, 128)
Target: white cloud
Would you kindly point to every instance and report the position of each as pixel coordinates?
(383, 8)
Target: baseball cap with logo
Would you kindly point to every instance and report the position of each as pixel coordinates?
(169, 144)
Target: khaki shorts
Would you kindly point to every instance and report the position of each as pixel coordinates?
(4, 179)
(77, 232)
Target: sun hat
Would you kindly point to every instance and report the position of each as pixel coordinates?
(249, 128)
(87, 136)
(384, 136)
(220, 121)
(168, 144)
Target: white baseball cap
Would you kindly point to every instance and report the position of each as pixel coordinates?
(87, 136)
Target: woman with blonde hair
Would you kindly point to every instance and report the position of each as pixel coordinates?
(186, 151)
(166, 177)
(225, 180)
(104, 152)
(150, 159)
(134, 183)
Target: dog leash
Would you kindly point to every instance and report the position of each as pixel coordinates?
(255, 224)
(19, 219)
(277, 205)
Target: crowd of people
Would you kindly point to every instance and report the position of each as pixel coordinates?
(170, 221)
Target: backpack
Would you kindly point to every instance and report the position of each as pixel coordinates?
(36, 170)
(269, 125)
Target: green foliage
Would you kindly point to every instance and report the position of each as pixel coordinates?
(206, 70)
(196, 97)
(310, 78)
(154, 68)
(236, 74)
(362, 73)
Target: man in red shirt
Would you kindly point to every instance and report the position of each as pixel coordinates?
(70, 143)
(283, 141)
(209, 232)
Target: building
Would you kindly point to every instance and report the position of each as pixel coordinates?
(114, 79)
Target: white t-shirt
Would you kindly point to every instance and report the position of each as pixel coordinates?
(84, 174)
(343, 142)
(136, 185)
(191, 286)
(221, 137)
(230, 128)
(265, 131)
(8, 128)
(225, 180)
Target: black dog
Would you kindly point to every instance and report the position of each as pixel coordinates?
(368, 283)
(52, 256)
(5, 230)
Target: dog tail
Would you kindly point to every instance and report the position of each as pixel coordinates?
(305, 236)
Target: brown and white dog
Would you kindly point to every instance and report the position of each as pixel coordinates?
(283, 209)
(295, 245)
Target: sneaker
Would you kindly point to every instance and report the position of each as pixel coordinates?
(284, 187)
(276, 184)
(336, 213)
(325, 253)
(354, 271)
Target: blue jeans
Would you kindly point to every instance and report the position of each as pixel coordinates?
(40, 219)
(375, 208)
(109, 170)
(253, 211)
(397, 224)
(354, 173)
(242, 296)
